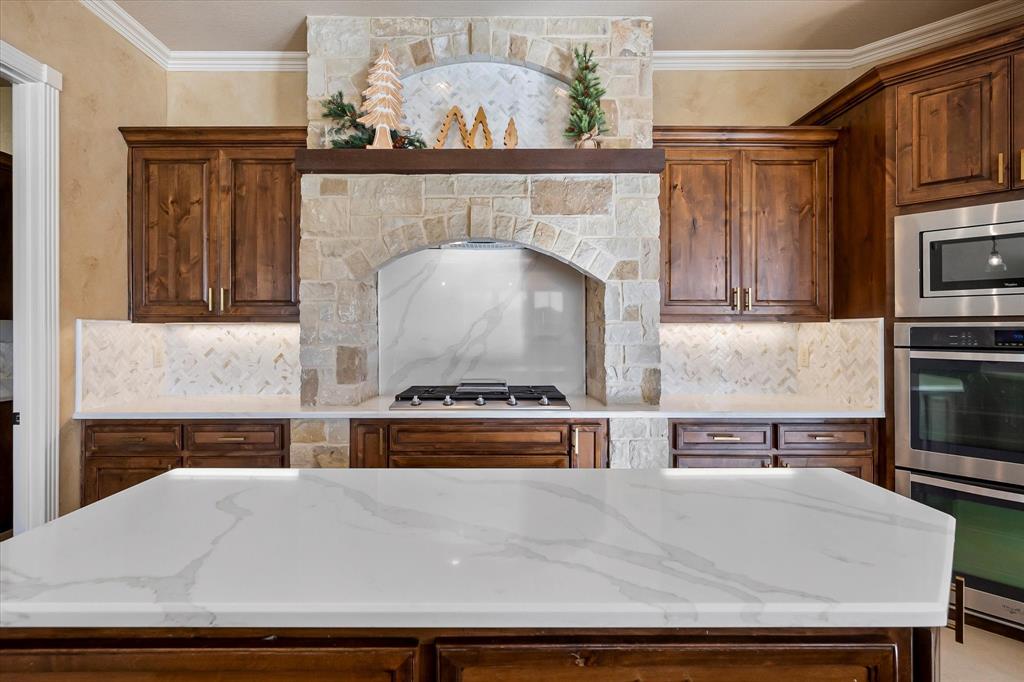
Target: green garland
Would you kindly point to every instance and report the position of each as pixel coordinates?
(345, 117)
(586, 118)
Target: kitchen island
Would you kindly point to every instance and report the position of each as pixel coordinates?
(483, 575)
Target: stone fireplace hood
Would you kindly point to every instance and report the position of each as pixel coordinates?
(493, 161)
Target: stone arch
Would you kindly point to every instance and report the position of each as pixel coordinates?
(555, 70)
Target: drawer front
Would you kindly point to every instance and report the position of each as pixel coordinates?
(235, 461)
(694, 663)
(508, 437)
(825, 436)
(129, 438)
(728, 461)
(861, 464)
(723, 436)
(478, 461)
(240, 437)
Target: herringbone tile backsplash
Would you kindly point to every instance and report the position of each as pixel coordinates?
(840, 361)
(120, 361)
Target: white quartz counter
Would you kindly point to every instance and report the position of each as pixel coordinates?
(483, 548)
(672, 407)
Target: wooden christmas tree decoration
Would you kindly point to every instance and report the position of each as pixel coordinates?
(511, 134)
(382, 101)
(454, 114)
(480, 121)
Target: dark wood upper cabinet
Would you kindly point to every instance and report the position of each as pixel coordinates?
(1017, 112)
(785, 233)
(700, 229)
(214, 223)
(953, 133)
(745, 223)
(259, 217)
(172, 194)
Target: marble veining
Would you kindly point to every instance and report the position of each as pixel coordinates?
(486, 548)
(510, 313)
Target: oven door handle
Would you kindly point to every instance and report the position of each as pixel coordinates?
(967, 488)
(968, 355)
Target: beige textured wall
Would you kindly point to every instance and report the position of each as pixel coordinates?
(244, 99)
(741, 97)
(5, 119)
(107, 83)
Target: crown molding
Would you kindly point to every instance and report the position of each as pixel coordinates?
(664, 60)
(872, 53)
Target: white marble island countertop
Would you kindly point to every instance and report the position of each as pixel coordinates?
(485, 548)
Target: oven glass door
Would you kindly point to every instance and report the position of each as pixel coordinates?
(989, 546)
(974, 261)
(968, 404)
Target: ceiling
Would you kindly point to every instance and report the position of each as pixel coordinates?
(279, 25)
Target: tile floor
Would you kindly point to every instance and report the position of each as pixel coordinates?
(983, 657)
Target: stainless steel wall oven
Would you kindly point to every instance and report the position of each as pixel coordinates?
(959, 432)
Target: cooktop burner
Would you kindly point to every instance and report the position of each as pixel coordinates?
(481, 395)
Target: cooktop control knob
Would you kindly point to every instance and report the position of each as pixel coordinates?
(447, 402)
(480, 400)
(415, 401)
(544, 400)
(512, 400)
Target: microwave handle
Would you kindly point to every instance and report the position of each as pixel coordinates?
(967, 488)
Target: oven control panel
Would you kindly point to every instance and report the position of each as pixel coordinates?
(1003, 338)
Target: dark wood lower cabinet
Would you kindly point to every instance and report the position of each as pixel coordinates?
(118, 454)
(516, 443)
(847, 445)
(471, 655)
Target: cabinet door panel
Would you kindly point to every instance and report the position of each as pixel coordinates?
(951, 129)
(785, 232)
(259, 233)
(1017, 116)
(668, 663)
(721, 436)
(860, 465)
(699, 232)
(589, 446)
(104, 476)
(173, 194)
(509, 437)
(463, 460)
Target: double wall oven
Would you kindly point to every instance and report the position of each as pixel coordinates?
(959, 427)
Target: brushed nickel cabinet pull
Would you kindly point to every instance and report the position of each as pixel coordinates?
(735, 300)
(137, 439)
(209, 299)
(232, 439)
(750, 298)
(575, 441)
(1022, 165)
(822, 436)
(724, 437)
(766, 465)
(784, 465)
(999, 170)
(222, 299)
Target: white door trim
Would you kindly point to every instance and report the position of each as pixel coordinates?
(36, 141)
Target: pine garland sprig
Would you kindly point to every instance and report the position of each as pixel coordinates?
(348, 133)
(586, 118)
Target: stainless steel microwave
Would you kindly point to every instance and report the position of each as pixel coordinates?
(962, 262)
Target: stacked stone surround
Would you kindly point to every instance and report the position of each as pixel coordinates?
(606, 226)
(341, 49)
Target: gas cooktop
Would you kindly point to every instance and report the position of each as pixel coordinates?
(481, 395)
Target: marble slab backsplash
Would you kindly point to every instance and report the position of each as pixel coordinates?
(838, 360)
(6, 360)
(505, 313)
(118, 361)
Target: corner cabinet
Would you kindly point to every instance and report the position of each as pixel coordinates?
(462, 443)
(746, 218)
(213, 223)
